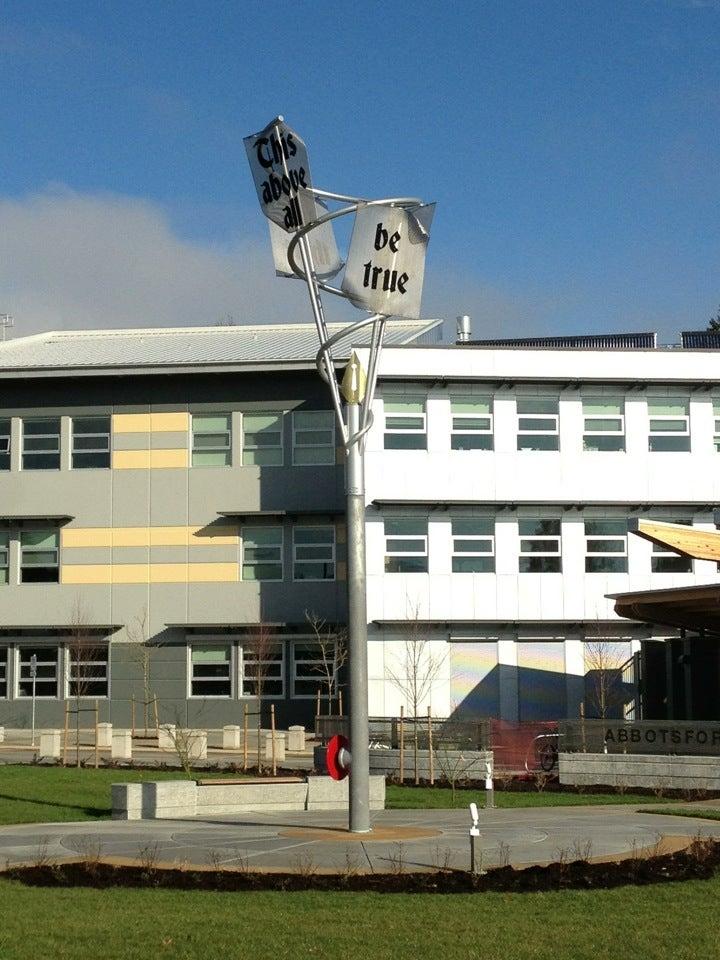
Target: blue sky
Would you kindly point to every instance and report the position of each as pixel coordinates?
(572, 148)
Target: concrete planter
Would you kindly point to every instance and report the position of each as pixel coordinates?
(640, 770)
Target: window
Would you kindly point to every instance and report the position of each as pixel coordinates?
(538, 423)
(669, 425)
(473, 546)
(3, 672)
(211, 440)
(4, 444)
(472, 424)
(716, 431)
(87, 670)
(263, 439)
(664, 560)
(262, 553)
(313, 437)
(603, 424)
(405, 424)
(39, 556)
(406, 546)
(540, 546)
(46, 666)
(41, 443)
(4, 556)
(263, 669)
(606, 546)
(90, 442)
(312, 668)
(314, 553)
(210, 670)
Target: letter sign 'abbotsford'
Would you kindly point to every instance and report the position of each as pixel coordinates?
(386, 263)
(279, 163)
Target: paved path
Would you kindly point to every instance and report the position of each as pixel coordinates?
(318, 841)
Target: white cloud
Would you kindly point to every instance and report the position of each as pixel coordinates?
(71, 261)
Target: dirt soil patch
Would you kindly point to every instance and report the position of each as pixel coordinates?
(700, 860)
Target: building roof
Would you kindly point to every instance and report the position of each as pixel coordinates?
(695, 608)
(189, 348)
(599, 341)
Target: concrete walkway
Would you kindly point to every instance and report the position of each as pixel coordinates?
(313, 841)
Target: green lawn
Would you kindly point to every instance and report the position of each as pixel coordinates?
(703, 813)
(677, 920)
(30, 794)
(441, 798)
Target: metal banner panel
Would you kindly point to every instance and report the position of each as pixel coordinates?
(323, 248)
(281, 171)
(386, 262)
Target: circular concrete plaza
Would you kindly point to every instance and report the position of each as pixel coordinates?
(407, 839)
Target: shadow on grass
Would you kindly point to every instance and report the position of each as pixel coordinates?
(95, 812)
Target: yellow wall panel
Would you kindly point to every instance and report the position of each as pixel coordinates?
(150, 459)
(148, 537)
(169, 422)
(149, 573)
(150, 422)
(131, 422)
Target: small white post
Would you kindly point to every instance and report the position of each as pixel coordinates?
(33, 674)
(474, 834)
(489, 786)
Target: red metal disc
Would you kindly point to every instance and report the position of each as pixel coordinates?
(332, 756)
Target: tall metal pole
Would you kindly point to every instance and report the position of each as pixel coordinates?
(357, 616)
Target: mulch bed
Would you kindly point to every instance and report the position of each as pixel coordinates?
(700, 861)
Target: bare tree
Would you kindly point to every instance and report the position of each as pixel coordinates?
(417, 669)
(86, 664)
(605, 691)
(140, 652)
(260, 653)
(333, 652)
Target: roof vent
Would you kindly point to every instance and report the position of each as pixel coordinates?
(464, 328)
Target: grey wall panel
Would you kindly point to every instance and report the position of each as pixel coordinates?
(168, 497)
(168, 554)
(131, 601)
(211, 490)
(131, 441)
(89, 555)
(130, 555)
(168, 440)
(52, 603)
(214, 554)
(223, 603)
(131, 498)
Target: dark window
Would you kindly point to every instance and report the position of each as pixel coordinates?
(538, 423)
(406, 546)
(606, 546)
(41, 443)
(39, 556)
(4, 444)
(90, 442)
(210, 670)
(540, 546)
(87, 670)
(473, 545)
(46, 671)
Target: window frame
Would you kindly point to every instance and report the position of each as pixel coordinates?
(24, 453)
(100, 433)
(22, 550)
(673, 434)
(19, 679)
(281, 546)
(314, 545)
(319, 675)
(469, 538)
(390, 555)
(6, 443)
(589, 435)
(4, 671)
(242, 652)
(104, 648)
(5, 555)
(280, 432)
(716, 427)
(394, 431)
(605, 537)
(529, 433)
(219, 644)
(457, 432)
(534, 537)
(297, 446)
(225, 450)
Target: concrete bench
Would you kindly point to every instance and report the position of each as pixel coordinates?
(179, 799)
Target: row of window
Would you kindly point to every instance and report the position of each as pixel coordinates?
(538, 424)
(313, 554)
(215, 670)
(313, 440)
(540, 547)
